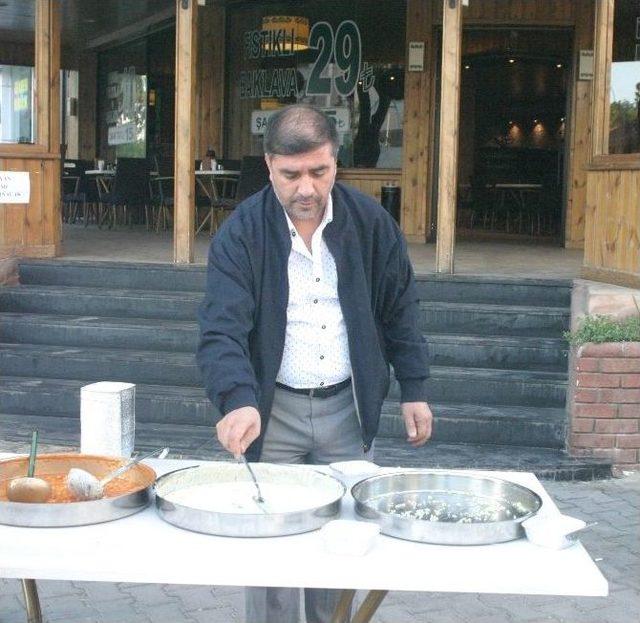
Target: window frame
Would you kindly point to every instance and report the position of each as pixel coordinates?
(603, 57)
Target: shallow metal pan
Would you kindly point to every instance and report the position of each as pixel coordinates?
(457, 508)
(258, 524)
(137, 481)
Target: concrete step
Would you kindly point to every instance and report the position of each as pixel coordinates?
(100, 332)
(481, 424)
(493, 319)
(446, 384)
(495, 290)
(188, 404)
(509, 352)
(197, 442)
(136, 276)
(452, 288)
(73, 300)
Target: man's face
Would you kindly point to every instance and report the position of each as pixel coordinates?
(303, 181)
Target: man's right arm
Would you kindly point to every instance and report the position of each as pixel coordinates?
(226, 319)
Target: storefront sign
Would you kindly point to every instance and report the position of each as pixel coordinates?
(416, 56)
(337, 66)
(14, 187)
(122, 134)
(585, 70)
(340, 115)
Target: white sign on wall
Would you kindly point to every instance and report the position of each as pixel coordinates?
(416, 55)
(14, 187)
(340, 114)
(585, 69)
(122, 134)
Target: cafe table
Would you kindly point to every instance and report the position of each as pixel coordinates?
(144, 548)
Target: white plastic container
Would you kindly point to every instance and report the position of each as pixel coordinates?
(346, 537)
(553, 531)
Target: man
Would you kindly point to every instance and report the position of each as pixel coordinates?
(310, 296)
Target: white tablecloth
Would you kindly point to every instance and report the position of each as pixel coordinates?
(144, 548)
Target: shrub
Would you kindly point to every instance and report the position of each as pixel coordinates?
(600, 329)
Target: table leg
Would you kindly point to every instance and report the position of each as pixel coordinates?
(341, 614)
(369, 606)
(32, 602)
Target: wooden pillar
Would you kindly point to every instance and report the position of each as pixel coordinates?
(87, 105)
(211, 79)
(449, 128)
(185, 131)
(416, 152)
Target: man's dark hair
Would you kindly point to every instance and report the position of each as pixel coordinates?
(297, 129)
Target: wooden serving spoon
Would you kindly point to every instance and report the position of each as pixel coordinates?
(29, 489)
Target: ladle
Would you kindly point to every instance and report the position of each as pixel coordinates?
(30, 489)
(85, 486)
(257, 498)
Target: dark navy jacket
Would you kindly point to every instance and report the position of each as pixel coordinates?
(244, 312)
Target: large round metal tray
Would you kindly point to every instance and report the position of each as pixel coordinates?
(136, 484)
(260, 523)
(492, 509)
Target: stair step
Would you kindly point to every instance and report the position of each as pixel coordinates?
(69, 300)
(198, 443)
(481, 424)
(498, 352)
(171, 277)
(98, 331)
(500, 290)
(493, 319)
(447, 383)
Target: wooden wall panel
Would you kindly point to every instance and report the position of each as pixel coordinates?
(369, 181)
(612, 227)
(32, 230)
(87, 105)
(516, 12)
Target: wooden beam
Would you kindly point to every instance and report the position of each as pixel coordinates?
(449, 128)
(416, 152)
(602, 76)
(185, 131)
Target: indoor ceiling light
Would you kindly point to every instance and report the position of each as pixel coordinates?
(293, 29)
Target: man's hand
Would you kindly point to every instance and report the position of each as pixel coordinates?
(417, 420)
(238, 429)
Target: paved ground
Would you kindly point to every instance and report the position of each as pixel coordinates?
(614, 543)
(488, 257)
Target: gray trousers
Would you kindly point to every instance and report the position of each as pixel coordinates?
(305, 430)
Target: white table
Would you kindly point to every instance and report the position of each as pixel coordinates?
(144, 548)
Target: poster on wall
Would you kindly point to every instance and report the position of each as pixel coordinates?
(340, 115)
(14, 187)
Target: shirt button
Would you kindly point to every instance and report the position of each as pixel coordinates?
(321, 383)
(317, 279)
(321, 356)
(324, 326)
(315, 300)
(293, 233)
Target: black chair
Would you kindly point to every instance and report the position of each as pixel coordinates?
(254, 176)
(79, 191)
(129, 193)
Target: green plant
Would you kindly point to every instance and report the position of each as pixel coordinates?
(600, 329)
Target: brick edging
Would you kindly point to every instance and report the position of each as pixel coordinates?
(604, 406)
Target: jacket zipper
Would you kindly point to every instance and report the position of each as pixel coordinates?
(365, 447)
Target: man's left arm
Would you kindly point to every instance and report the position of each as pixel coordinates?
(405, 346)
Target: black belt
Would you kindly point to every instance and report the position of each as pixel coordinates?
(317, 392)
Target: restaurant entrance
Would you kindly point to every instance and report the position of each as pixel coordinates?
(513, 115)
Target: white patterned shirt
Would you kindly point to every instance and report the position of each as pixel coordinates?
(316, 349)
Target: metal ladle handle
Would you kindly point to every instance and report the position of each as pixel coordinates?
(259, 498)
(163, 452)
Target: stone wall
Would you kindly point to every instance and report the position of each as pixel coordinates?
(604, 403)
